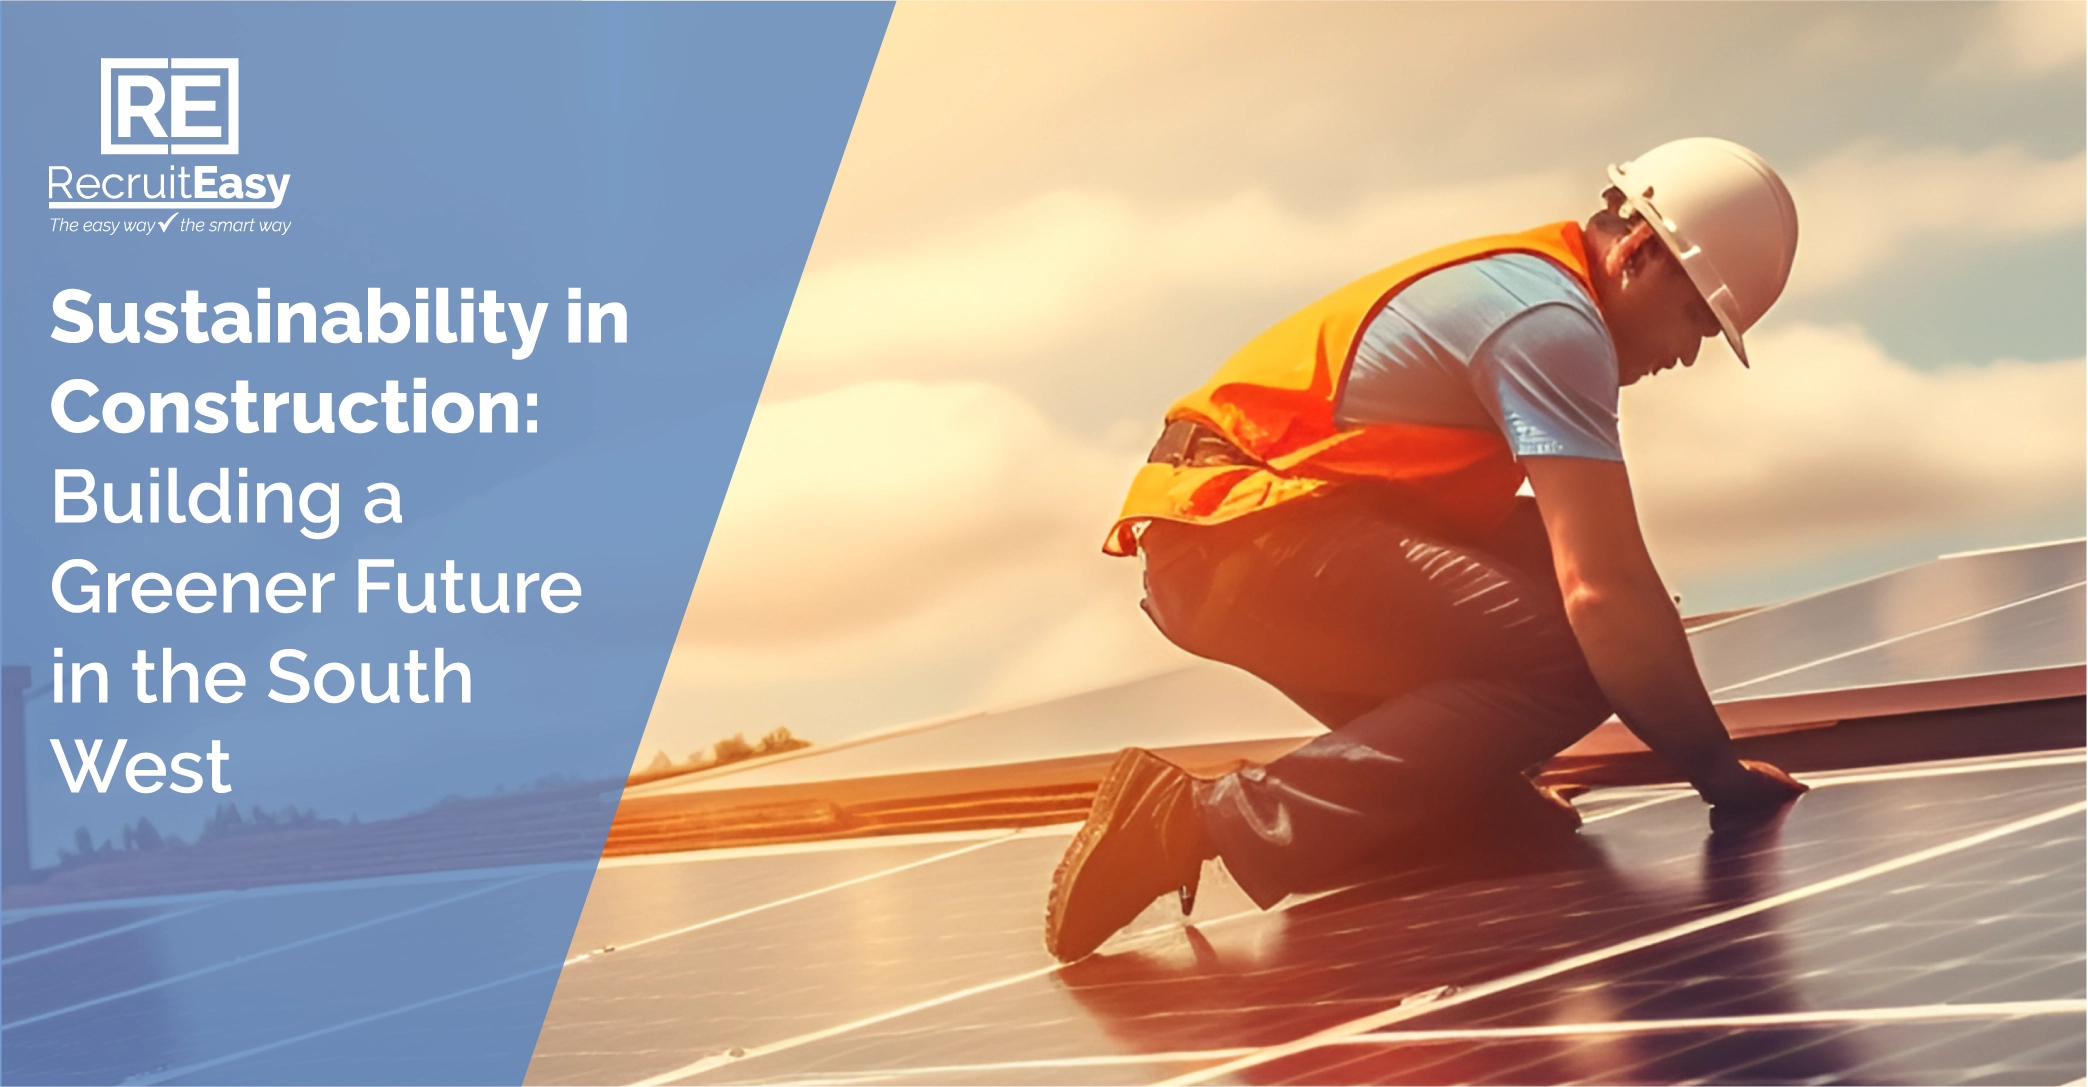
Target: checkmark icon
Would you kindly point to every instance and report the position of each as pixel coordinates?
(170, 218)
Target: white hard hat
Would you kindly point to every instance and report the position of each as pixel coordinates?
(1725, 215)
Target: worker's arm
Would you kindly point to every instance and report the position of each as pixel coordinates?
(1632, 635)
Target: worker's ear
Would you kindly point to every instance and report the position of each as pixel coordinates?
(1629, 255)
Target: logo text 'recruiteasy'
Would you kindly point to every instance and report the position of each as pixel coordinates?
(168, 106)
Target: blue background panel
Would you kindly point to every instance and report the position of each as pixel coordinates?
(672, 159)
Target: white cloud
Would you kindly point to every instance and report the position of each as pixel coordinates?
(914, 545)
(1014, 260)
(1070, 265)
(1071, 287)
(1868, 205)
(854, 506)
(1829, 444)
(899, 550)
(2022, 38)
(896, 550)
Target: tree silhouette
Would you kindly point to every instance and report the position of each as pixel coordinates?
(731, 749)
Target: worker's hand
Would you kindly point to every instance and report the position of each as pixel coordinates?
(1745, 785)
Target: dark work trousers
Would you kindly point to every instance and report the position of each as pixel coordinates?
(1443, 666)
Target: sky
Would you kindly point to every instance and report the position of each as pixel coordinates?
(1053, 220)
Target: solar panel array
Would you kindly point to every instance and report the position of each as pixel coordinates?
(1888, 905)
(112, 991)
(1916, 924)
(1963, 630)
(1904, 923)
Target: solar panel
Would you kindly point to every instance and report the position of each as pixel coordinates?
(2010, 612)
(107, 1003)
(1907, 924)
(2000, 1047)
(1859, 905)
(1775, 639)
(2037, 633)
(1203, 703)
(1918, 923)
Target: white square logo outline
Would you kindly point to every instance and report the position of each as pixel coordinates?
(228, 65)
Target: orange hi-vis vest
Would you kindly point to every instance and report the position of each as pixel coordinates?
(1275, 401)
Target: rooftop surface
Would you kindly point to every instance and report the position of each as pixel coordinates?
(1964, 631)
(1918, 924)
(1916, 918)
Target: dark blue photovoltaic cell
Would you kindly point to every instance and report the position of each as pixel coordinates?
(2045, 632)
(639, 897)
(882, 961)
(2029, 1049)
(1793, 634)
(33, 932)
(823, 974)
(71, 1016)
(958, 936)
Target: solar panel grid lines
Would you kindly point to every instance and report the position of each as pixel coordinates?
(1946, 768)
(263, 995)
(1976, 932)
(2022, 569)
(2065, 595)
(1806, 630)
(2036, 642)
(100, 933)
(908, 958)
(1903, 642)
(1916, 773)
(169, 1075)
(12, 920)
(1129, 940)
(930, 1042)
(1393, 1015)
(231, 930)
(1161, 929)
(2028, 1049)
(1919, 770)
(1939, 1013)
(728, 918)
(1023, 923)
(699, 1067)
(857, 951)
(239, 960)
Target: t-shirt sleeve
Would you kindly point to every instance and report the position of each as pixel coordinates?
(1549, 376)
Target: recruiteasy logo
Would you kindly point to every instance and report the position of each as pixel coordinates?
(173, 107)
(161, 106)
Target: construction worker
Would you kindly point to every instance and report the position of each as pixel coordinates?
(1337, 512)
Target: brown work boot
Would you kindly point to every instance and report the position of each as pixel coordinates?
(1143, 837)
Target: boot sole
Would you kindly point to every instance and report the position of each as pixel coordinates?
(1100, 815)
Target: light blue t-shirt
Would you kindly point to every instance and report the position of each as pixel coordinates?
(1512, 342)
